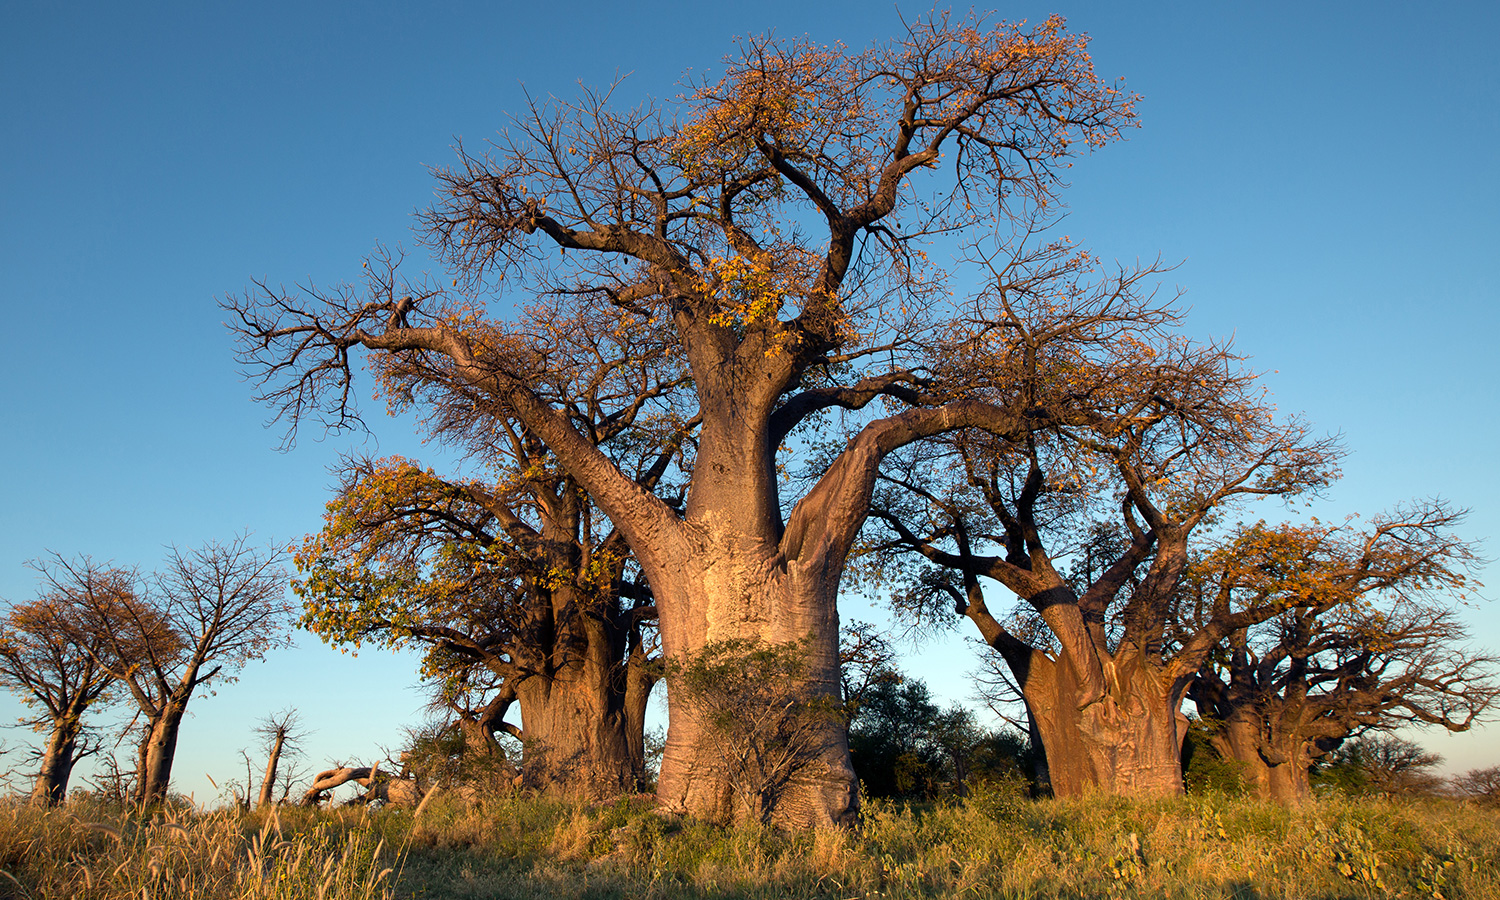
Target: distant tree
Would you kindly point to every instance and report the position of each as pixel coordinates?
(1366, 640)
(1480, 785)
(890, 740)
(211, 611)
(1380, 763)
(905, 745)
(109, 617)
(41, 661)
(282, 733)
(769, 228)
(866, 658)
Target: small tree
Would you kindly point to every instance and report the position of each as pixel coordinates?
(905, 745)
(209, 613)
(889, 740)
(1380, 763)
(40, 661)
(1479, 785)
(281, 733)
(866, 659)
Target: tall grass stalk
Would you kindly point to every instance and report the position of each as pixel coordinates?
(994, 844)
(91, 851)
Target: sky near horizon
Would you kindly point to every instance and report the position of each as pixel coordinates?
(1327, 175)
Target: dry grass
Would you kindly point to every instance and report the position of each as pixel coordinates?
(89, 851)
(995, 845)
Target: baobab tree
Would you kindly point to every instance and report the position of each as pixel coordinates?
(770, 226)
(42, 661)
(1144, 437)
(282, 733)
(1366, 641)
(211, 611)
(510, 587)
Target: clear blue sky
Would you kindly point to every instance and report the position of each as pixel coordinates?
(1328, 173)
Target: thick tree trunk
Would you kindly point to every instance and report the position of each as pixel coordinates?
(1239, 740)
(734, 590)
(328, 779)
(1278, 771)
(160, 752)
(1129, 742)
(1290, 782)
(142, 753)
(1039, 770)
(51, 786)
(575, 740)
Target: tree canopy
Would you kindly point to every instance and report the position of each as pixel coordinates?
(763, 244)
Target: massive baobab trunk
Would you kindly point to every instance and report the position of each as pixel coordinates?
(581, 728)
(1280, 773)
(759, 604)
(729, 571)
(1127, 742)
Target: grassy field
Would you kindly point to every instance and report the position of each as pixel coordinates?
(996, 844)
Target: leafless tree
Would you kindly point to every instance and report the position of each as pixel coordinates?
(282, 734)
(1382, 763)
(1479, 785)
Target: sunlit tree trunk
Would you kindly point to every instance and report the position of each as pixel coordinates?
(268, 781)
(726, 601)
(51, 787)
(1272, 770)
(160, 752)
(1127, 742)
(741, 576)
(576, 738)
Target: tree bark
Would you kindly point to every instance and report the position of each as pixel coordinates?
(268, 782)
(51, 786)
(1128, 742)
(575, 740)
(1290, 782)
(722, 596)
(160, 752)
(1273, 770)
(328, 779)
